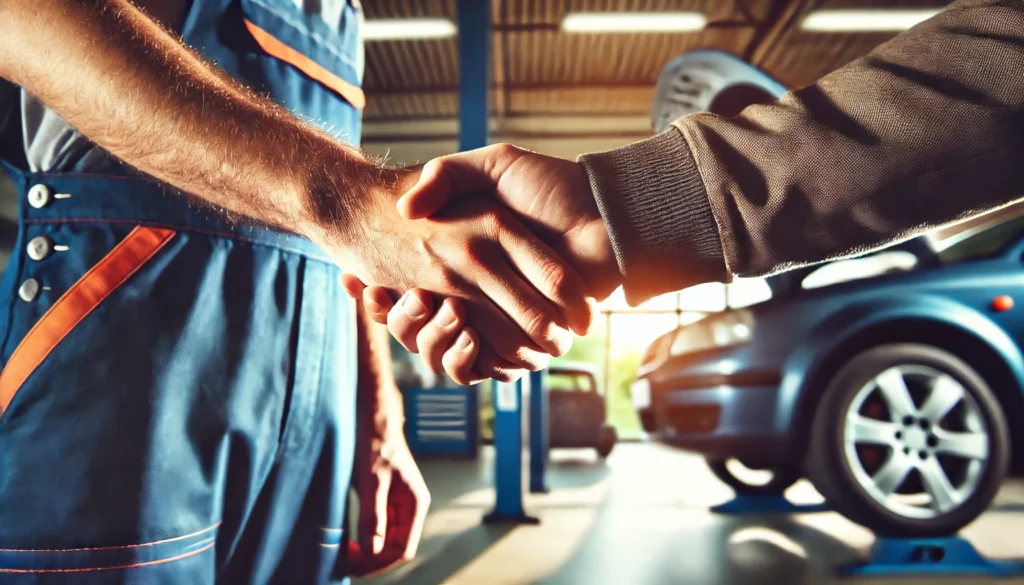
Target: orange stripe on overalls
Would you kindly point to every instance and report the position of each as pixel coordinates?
(275, 48)
(85, 295)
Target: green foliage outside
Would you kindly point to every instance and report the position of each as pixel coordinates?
(624, 362)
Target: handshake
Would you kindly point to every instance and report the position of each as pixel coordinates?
(495, 256)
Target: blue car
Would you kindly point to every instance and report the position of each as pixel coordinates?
(890, 391)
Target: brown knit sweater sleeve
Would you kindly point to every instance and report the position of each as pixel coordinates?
(926, 130)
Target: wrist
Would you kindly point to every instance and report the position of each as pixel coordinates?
(385, 416)
(329, 191)
(590, 243)
(343, 195)
(658, 215)
(593, 255)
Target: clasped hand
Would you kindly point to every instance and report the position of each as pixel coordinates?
(509, 256)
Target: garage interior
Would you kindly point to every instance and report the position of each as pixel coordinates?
(642, 515)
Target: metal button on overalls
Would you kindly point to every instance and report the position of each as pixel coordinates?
(40, 248)
(29, 290)
(39, 196)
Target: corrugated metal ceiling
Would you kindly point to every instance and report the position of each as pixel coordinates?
(539, 70)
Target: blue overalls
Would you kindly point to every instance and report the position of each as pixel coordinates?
(177, 403)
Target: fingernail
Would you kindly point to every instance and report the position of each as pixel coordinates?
(373, 307)
(463, 342)
(446, 317)
(378, 544)
(412, 307)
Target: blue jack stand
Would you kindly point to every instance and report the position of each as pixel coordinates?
(953, 555)
(508, 457)
(753, 505)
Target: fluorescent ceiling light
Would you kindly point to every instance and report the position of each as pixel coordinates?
(390, 29)
(865, 20)
(626, 22)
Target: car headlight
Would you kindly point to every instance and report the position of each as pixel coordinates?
(725, 330)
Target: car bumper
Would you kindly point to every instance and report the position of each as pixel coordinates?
(726, 420)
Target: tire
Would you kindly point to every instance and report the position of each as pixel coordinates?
(782, 478)
(849, 465)
(606, 439)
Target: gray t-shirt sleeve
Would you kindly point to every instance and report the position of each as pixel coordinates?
(53, 145)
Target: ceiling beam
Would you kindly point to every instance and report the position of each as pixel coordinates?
(783, 17)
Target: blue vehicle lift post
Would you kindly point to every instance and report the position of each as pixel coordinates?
(539, 442)
(474, 125)
(474, 73)
(508, 456)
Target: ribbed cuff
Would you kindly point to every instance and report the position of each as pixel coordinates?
(658, 216)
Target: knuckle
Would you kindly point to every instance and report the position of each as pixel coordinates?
(447, 281)
(540, 363)
(528, 359)
(475, 258)
(556, 279)
(439, 165)
(491, 221)
(503, 376)
(462, 376)
(540, 327)
(505, 149)
(561, 343)
(425, 340)
(399, 328)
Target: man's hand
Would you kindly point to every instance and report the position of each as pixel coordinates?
(393, 498)
(550, 195)
(393, 502)
(518, 294)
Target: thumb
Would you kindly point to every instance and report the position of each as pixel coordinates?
(373, 513)
(430, 193)
(474, 172)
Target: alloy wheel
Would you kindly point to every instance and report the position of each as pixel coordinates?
(916, 441)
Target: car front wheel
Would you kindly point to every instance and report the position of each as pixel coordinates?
(908, 440)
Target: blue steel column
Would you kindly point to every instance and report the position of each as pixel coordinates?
(508, 456)
(539, 432)
(474, 119)
(474, 73)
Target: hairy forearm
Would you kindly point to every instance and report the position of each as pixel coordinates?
(136, 91)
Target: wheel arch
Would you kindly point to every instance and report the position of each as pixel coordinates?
(965, 333)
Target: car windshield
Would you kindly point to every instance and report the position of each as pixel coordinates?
(570, 382)
(983, 243)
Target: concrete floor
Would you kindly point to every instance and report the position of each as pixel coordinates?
(642, 518)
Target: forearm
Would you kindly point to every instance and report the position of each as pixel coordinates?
(923, 131)
(379, 401)
(139, 93)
